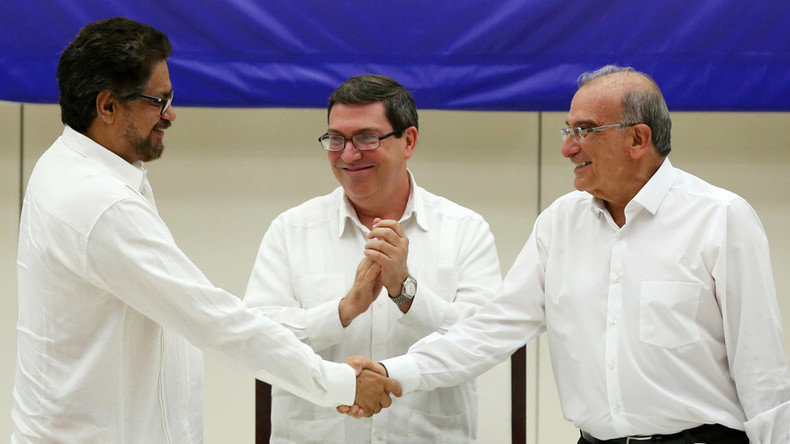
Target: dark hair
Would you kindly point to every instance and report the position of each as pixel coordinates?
(640, 105)
(115, 54)
(370, 88)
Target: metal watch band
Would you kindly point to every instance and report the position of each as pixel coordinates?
(407, 292)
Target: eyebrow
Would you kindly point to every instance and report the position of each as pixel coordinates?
(583, 123)
(162, 95)
(361, 131)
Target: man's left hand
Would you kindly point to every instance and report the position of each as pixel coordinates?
(390, 249)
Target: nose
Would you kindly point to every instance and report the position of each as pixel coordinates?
(350, 153)
(569, 147)
(170, 113)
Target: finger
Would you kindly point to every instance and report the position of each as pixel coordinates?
(343, 409)
(386, 402)
(392, 224)
(355, 411)
(386, 234)
(393, 387)
(364, 265)
(357, 368)
(386, 248)
(358, 361)
(377, 256)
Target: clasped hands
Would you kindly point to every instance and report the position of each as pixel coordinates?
(373, 388)
(384, 265)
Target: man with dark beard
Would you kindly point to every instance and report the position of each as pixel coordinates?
(110, 310)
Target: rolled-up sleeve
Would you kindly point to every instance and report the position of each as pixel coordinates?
(752, 325)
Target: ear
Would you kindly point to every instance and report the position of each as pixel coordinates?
(641, 142)
(410, 134)
(107, 107)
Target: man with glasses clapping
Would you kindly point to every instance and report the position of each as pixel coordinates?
(373, 267)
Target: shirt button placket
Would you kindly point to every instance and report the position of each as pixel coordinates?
(613, 340)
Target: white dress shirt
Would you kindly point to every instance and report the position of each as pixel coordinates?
(659, 326)
(110, 308)
(307, 263)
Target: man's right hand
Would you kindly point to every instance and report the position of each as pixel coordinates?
(373, 388)
(366, 288)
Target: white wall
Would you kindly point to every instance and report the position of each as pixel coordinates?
(227, 172)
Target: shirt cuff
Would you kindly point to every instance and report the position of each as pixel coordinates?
(325, 321)
(770, 426)
(426, 312)
(403, 369)
(341, 383)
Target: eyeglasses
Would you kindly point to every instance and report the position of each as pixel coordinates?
(362, 142)
(579, 133)
(164, 101)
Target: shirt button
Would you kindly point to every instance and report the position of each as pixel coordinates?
(612, 364)
(616, 407)
(613, 321)
(616, 277)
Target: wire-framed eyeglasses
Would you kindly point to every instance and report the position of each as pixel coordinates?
(578, 133)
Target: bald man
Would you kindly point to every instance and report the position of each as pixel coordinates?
(654, 287)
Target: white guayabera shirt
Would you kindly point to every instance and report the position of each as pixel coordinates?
(111, 313)
(306, 264)
(662, 325)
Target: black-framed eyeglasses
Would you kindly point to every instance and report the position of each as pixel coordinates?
(579, 133)
(164, 101)
(362, 142)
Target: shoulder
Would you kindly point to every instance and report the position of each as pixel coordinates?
(315, 211)
(696, 191)
(445, 208)
(73, 189)
(568, 204)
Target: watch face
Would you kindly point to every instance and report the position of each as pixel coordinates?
(409, 286)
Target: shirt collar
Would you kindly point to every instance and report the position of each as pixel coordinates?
(415, 206)
(130, 174)
(652, 193)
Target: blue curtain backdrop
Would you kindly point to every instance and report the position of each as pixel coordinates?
(461, 54)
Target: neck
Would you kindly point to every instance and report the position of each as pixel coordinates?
(390, 208)
(616, 204)
(104, 136)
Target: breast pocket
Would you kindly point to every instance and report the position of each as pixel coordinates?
(442, 279)
(314, 290)
(668, 312)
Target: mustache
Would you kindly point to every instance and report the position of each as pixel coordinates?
(162, 125)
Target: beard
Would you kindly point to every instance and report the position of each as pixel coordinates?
(144, 147)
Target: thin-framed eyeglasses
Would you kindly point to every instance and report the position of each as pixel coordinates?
(362, 142)
(578, 133)
(164, 101)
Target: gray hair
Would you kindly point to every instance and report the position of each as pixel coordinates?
(640, 105)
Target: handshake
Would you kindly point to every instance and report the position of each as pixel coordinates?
(373, 388)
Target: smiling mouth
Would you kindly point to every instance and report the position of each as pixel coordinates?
(355, 169)
(581, 164)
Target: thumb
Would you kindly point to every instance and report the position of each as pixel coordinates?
(356, 366)
(393, 387)
(358, 363)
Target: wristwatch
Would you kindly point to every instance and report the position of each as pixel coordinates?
(407, 292)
